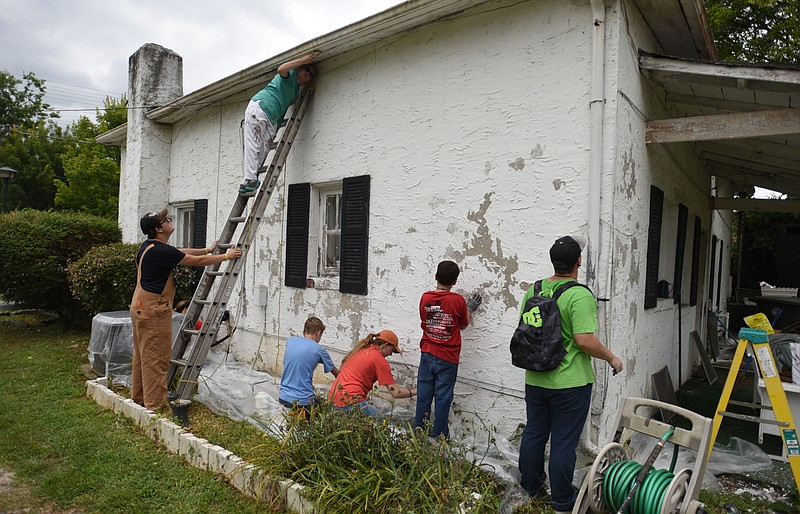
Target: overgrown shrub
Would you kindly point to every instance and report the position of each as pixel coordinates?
(104, 279)
(36, 248)
(350, 462)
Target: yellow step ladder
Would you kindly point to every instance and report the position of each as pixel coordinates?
(758, 342)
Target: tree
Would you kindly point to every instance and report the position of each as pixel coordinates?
(30, 141)
(21, 102)
(91, 170)
(756, 30)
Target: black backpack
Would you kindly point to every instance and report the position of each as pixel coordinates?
(537, 344)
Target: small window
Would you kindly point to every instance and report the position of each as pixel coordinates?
(190, 220)
(330, 205)
(327, 231)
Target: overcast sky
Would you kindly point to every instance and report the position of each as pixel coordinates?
(81, 47)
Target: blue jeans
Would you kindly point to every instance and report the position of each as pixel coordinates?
(364, 405)
(436, 381)
(558, 415)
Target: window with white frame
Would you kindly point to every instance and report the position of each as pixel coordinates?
(327, 234)
(330, 227)
(184, 223)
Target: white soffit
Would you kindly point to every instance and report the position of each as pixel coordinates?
(742, 119)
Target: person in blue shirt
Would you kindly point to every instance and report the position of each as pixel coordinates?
(299, 361)
(266, 110)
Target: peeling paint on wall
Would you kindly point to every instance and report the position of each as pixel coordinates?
(634, 273)
(490, 253)
(627, 185)
(518, 164)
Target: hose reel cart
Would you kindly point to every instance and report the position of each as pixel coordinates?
(612, 478)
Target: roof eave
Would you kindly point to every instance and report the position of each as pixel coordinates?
(392, 21)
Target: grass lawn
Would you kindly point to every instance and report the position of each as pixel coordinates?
(70, 454)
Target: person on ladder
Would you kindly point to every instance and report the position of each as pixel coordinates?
(266, 110)
(151, 305)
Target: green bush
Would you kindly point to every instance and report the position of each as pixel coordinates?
(104, 279)
(35, 250)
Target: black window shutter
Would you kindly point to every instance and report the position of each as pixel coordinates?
(653, 247)
(200, 223)
(298, 202)
(680, 250)
(695, 262)
(713, 267)
(199, 238)
(355, 233)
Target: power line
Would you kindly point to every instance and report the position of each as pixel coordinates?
(71, 85)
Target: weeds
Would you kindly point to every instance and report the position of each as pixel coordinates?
(350, 462)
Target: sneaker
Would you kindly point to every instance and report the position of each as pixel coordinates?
(248, 186)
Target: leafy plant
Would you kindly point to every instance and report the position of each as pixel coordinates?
(104, 279)
(350, 462)
(35, 250)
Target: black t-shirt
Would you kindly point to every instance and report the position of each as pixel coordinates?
(159, 262)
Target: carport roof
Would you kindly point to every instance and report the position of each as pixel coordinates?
(742, 119)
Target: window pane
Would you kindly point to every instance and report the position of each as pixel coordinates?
(332, 251)
(187, 228)
(332, 212)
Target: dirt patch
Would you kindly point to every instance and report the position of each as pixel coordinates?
(17, 498)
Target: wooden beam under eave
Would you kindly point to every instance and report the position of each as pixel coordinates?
(724, 126)
(754, 204)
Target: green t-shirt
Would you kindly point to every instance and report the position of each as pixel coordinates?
(578, 310)
(276, 98)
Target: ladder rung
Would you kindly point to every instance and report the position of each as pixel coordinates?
(215, 273)
(203, 302)
(237, 219)
(191, 331)
(225, 246)
(177, 362)
(755, 419)
(751, 405)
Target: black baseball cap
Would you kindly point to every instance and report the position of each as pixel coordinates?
(151, 221)
(565, 252)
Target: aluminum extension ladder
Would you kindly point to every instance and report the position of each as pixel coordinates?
(208, 303)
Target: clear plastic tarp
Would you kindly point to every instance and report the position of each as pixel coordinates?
(111, 345)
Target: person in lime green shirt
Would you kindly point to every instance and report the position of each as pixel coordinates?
(265, 112)
(557, 401)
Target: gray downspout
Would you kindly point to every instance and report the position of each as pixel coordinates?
(597, 104)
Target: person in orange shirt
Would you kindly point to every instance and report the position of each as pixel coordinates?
(361, 368)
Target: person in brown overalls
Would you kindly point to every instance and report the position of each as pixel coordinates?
(151, 306)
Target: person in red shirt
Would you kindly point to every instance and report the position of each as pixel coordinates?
(361, 368)
(443, 315)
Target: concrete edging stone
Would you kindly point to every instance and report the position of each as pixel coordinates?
(198, 452)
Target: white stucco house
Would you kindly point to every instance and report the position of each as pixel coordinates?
(483, 131)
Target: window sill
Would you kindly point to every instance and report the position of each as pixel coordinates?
(323, 283)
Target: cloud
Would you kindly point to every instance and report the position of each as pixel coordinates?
(87, 43)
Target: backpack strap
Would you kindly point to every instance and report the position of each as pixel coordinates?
(563, 287)
(537, 288)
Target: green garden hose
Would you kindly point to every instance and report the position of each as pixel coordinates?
(619, 482)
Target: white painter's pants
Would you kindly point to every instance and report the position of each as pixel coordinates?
(258, 136)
